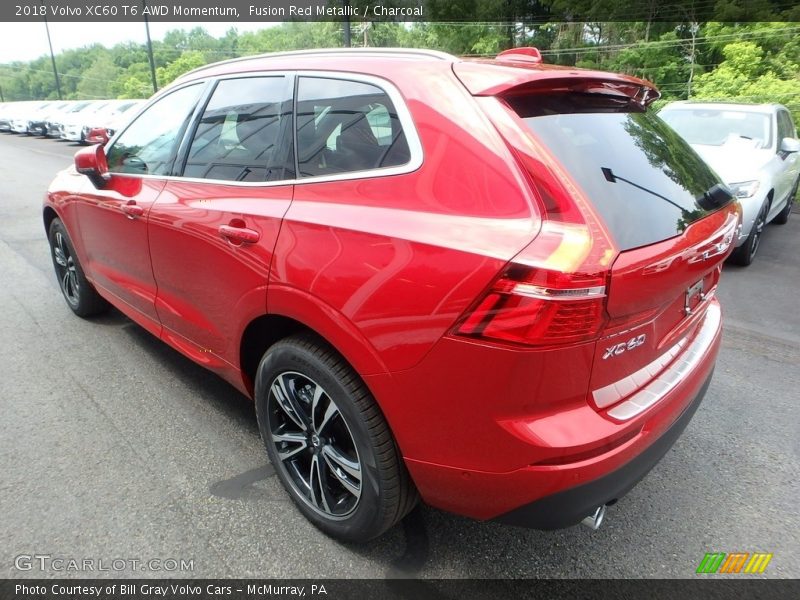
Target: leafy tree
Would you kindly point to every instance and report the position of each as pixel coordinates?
(97, 81)
(745, 76)
(185, 62)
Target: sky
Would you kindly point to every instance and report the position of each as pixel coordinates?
(26, 41)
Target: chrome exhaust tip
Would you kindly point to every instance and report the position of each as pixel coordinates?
(594, 520)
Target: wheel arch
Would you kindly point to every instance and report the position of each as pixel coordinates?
(48, 215)
(292, 311)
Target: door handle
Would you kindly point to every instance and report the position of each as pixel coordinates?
(239, 234)
(132, 211)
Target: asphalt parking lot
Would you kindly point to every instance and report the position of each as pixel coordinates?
(115, 446)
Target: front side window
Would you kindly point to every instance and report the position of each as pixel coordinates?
(345, 126)
(237, 138)
(149, 145)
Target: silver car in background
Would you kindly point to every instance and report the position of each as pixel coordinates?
(755, 150)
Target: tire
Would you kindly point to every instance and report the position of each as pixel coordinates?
(783, 216)
(81, 297)
(320, 424)
(744, 254)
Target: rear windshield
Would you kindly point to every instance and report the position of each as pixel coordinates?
(645, 181)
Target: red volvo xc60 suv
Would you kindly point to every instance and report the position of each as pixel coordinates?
(485, 283)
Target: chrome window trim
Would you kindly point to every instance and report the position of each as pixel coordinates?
(684, 358)
(403, 114)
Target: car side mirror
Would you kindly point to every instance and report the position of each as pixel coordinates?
(789, 145)
(92, 162)
(97, 135)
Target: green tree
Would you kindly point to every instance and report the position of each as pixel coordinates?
(97, 81)
(745, 76)
(184, 63)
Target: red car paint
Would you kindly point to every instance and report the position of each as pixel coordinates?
(388, 269)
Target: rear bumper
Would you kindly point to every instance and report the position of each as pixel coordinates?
(569, 507)
(554, 458)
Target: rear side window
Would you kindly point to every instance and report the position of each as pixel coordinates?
(237, 137)
(346, 126)
(645, 181)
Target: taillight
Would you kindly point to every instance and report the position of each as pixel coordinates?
(539, 299)
(554, 290)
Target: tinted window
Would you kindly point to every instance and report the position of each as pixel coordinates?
(645, 181)
(238, 135)
(149, 145)
(345, 126)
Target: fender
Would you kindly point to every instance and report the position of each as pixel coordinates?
(63, 204)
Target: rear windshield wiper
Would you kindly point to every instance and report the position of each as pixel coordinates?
(612, 177)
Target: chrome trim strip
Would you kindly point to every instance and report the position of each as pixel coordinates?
(536, 291)
(657, 379)
(403, 114)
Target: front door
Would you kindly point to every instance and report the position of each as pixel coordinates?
(113, 219)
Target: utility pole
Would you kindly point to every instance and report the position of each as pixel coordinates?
(346, 4)
(1, 94)
(693, 28)
(52, 56)
(149, 48)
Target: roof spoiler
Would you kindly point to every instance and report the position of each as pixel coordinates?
(527, 54)
(520, 70)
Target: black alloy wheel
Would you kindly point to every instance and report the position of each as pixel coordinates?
(328, 441)
(81, 297)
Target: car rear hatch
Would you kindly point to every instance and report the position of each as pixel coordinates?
(650, 223)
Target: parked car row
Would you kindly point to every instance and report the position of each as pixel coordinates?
(72, 120)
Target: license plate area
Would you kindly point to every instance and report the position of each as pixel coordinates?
(694, 295)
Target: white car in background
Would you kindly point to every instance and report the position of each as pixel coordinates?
(19, 123)
(75, 128)
(55, 127)
(755, 150)
(109, 118)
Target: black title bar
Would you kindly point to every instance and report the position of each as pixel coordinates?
(395, 589)
(518, 11)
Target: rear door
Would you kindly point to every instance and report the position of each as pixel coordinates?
(213, 229)
(654, 195)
